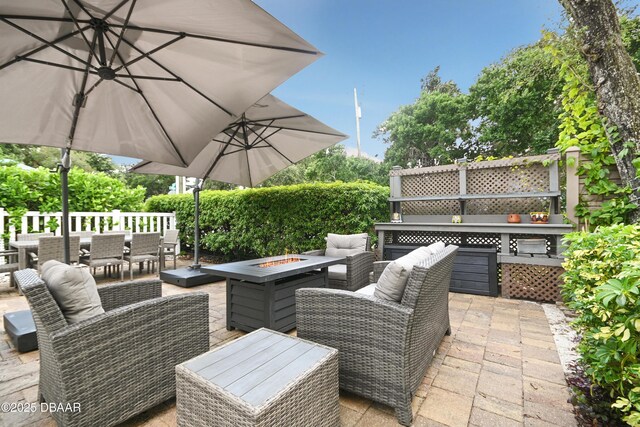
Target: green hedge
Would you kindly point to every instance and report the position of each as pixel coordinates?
(39, 190)
(260, 222)
(602, 284)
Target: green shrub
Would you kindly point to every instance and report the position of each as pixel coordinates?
(39, 190)
(260, 222)
(602, 284)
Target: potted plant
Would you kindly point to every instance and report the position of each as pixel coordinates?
(513, 218)
(541, 216)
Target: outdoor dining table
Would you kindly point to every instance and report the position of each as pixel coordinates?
(26, 246)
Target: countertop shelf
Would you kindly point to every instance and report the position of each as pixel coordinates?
(499, 228)
(463, 197)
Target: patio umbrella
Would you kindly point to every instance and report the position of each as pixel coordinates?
(267, 138)
(150, 79)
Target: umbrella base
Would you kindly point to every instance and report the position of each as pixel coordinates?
(188, 277)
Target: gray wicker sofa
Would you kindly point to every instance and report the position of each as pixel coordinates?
(384, 347)
(119, 363)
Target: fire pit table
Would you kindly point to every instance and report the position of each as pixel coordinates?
(261, 292)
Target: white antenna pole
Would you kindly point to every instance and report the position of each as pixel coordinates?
(358, 116)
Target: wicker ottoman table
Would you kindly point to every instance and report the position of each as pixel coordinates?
(265, 378)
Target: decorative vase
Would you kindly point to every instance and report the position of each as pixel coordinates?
(513, 219)
(396, 217)
(539, 217)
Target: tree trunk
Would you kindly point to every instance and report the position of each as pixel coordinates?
(615, 79)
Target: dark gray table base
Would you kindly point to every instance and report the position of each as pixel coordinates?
(271, 304)
(188, 277)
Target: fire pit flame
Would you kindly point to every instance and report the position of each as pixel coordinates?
(277, 262)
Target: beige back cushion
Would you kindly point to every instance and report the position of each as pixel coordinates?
(340, 245)
(436, 247)
(394, 277)
(392, 282)
(74, 289)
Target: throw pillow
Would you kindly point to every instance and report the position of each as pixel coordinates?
(414, 257)
(393, 279)
(392, 282)
(340, 245)
(74, 289)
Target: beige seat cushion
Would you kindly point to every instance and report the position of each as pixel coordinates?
(338, 272)
(74, 289)
(340, 245)
(367, 290)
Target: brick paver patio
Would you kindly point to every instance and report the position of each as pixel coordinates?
(499, 367)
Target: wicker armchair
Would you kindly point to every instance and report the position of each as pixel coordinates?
(384, 347)
(122, 362)
(353, 274)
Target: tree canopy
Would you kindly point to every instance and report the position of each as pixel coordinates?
(429, 131)
(515, 104)
(513, 108)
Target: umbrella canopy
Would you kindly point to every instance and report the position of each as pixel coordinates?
(267, 138)
(150, 79)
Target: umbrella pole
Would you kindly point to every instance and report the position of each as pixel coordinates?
(196, 229)
(65, 165)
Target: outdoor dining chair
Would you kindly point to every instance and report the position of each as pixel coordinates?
(23, 237)
(170, 245)
(84, 253)
(106, 251)
(53, 248)
(83, 234)
(144, 247)
(10, 264)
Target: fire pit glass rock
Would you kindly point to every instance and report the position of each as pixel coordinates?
(276, 262)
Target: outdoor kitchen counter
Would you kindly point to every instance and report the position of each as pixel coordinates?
(505, 230)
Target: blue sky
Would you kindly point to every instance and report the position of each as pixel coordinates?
(384, 47)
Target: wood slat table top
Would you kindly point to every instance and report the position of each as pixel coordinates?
(259, 365)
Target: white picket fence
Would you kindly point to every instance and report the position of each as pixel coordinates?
(37, 222)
